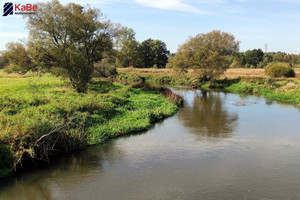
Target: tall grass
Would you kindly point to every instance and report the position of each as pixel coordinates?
(44, 116)
(280, 90)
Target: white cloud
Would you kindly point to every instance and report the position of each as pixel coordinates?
(176, 5)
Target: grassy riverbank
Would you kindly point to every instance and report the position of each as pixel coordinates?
(280, 90)
(241, 81)
(40, 116)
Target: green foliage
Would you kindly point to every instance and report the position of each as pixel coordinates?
(278, 90)
(153, 53)
(279, 69)
(254, 57)
(131, 53)
(4, 62)
(268, 58)
(123, 35)
(279, 57)
(127, 53)
(235, 64)
(207, 53)
(69, 37)
(130, 77)
(105, 68)
(44, 117)
(143, 108)
(291, 59)
(18, 59)
(7, 159)
(270, 82)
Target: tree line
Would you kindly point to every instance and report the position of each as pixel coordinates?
(256, 58)
(77, 42)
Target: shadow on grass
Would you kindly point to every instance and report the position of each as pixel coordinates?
(103, 86)
(223, 83)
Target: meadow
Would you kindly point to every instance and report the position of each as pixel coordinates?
(229, 73)
(43, 116)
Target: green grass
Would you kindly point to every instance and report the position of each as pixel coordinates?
(280, 90)
(40, 116)
(157, 78)
(285, 90)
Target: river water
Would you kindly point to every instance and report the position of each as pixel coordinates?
(218, 146)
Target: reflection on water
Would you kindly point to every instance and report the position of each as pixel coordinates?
(208, 116)
(67, 171)
(218, 146)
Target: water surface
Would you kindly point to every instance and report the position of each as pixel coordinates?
(218, 146)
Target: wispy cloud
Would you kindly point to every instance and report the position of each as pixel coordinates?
(176, 5)
(211, 1)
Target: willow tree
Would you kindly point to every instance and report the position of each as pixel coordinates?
(126, 47)
(70, 38)
(17, 58)
(208, 54)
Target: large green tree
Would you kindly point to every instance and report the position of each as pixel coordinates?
(126, 46)
(254, 57)
(208, 54)
(71, 38)
(154, 53)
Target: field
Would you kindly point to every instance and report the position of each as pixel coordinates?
(42, 116)
(230, 73)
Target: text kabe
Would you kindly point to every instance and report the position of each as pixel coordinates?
(26, 7)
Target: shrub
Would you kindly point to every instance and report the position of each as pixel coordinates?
(3, 61)
(6, 157)
(12, 68)
(279, 69)
(261, 65)
(105, 69)
(249, 66)
(270, 82)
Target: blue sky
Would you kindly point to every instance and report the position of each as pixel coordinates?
(253, 22)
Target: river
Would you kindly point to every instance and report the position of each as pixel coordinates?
(218, 146)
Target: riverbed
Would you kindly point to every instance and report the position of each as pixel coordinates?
(218, 146)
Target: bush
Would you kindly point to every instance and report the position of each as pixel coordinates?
(3, 61)
(105, 68)
(6, 157)
(248, 66)
(6, 160)
(12, 68)
(279, 69)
